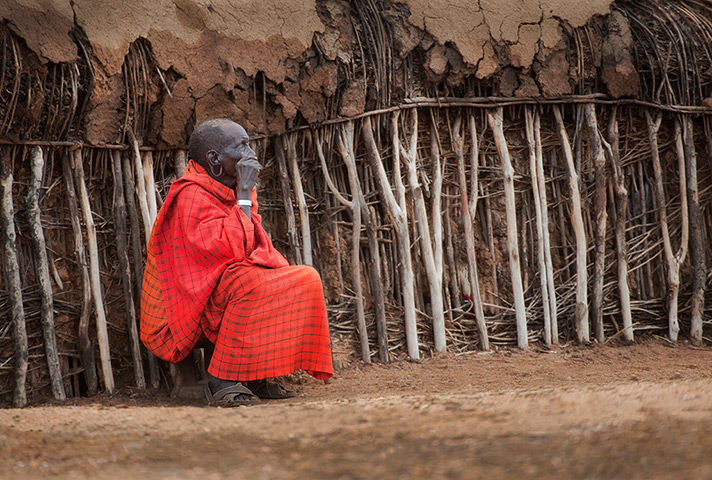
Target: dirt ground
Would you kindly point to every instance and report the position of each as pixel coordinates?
(642, 411)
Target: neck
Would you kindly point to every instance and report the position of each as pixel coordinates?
(222, 178)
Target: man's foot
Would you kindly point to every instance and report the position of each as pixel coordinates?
(269, 389)
(224, 393)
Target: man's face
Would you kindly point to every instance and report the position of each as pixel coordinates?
(237, 149)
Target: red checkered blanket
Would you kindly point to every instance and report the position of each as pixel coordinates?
(211, 271)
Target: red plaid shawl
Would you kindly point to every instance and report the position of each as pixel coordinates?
(212, 272)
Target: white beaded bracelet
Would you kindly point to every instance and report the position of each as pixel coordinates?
(244, 203)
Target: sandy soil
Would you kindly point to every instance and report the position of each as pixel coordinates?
(643, 411)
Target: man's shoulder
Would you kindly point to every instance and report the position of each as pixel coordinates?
(189, 190)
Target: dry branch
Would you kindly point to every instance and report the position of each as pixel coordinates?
(697, 244)
(437, 220)
(581, 310)
(150, 186)
(621, 202)
(39, 250)
(601, 217)
(398, 212)
(96, 290)
(346, 147)
(179, 162)
(301, 200)
(495, 121)
(141, 190)
(673, 260)
(279, 148)
(122, 253)
(545, 229)
(468, 204)
(151, 194)
(540, 205)
(13, 282)
(377, 285)
(135, 230)
(85, 344)
(345, 142)
(431, 248)
(136, 251)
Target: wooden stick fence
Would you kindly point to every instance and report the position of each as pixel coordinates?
(428, 233)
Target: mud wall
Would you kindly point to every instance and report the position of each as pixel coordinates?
(273, 64)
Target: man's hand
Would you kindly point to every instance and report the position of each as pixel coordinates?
(248, 170)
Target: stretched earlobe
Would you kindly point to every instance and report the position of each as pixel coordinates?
(214, 161)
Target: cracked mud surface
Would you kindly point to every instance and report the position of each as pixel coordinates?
(256, 61)
(594, 412)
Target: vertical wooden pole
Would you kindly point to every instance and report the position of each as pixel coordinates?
(377, 285)
(287, 198)
(101, 329)
(151, 200)
(621, 201)
(141, 190)
(697, 234)
(541, 182)
(601, 217)
(468, 205)
(652, 286)
(581, 311)
(436, 217)
(376, 269)
(450, 252)
(86, 346)
(337, 243)
(524, 212)
(134, 223)
(39, 250)
(122, 252)
(495, 121)
(136, 252)
(147, 204)
(345, 137)
(494, 294)
(431, 247)
(397, 210)
(673, 260)
(148, 219)
(150, 186)
(13, 281)
(541, 257)
(301, 200)
(179, 162)
(636, 190)
(345, 140)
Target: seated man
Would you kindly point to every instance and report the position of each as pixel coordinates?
(213, 272)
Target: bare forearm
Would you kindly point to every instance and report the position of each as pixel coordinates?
(248, 171)
(247, 210)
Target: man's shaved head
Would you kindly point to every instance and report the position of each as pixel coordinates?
(207, 136)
